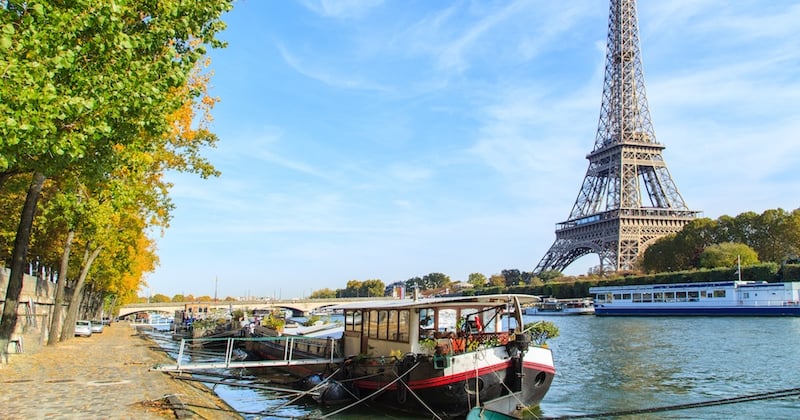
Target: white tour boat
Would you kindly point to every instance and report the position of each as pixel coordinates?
(726, 298)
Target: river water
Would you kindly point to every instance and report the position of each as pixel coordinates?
(613, 364)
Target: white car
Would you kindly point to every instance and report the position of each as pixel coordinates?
(83, 328)
(97, 326)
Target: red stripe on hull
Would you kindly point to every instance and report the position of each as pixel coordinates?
(538, 366)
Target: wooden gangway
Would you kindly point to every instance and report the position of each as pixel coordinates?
(289, 343)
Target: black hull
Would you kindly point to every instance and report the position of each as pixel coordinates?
(454, 399)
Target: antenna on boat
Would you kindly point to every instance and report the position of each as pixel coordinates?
(739, 266)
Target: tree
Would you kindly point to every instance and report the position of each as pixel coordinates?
(159, 298)
(435, 281)
(512, 277)
(680, 251)
(373, 288)
(477, 279)
(497, 280)
(727, 254)
(323, 294)
(774, 235)
(82, 79)
(414, 283)
(548, 275)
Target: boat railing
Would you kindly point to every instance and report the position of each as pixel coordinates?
(295, 352)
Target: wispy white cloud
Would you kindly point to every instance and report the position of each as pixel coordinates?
(341, 9)
(324, 73)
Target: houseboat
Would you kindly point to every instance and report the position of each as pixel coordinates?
(553, 306)
(439, 356)
(727, 298)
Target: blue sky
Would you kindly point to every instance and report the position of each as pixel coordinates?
(391, 139)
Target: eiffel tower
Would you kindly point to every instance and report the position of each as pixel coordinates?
(610, 217)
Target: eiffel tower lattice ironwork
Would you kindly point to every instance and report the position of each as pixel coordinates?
(611, 217)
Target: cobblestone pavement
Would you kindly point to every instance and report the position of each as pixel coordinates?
(105, 376)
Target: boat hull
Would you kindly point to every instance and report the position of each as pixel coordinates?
(499, 378)
(701, 311)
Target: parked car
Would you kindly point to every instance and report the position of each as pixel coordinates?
(106, 321)
(97, 326)
(83, 328)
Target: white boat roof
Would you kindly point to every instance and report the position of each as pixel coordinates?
(454, 301)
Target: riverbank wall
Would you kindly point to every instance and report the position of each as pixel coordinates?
(34, 312)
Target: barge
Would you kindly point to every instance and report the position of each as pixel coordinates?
(441, 356)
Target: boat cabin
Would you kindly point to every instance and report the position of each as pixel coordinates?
(441, 325)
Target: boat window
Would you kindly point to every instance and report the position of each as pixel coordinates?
(681, 296)
(353, 321)
(719, 293)
(647, 297)
(694, 296)
(669, 296)
(617, 296)
(658, 297)
(373, 324)
(626, 296)
(446, 320)
(383, 325)
(746, 295)
(637, 297)
(402, 330)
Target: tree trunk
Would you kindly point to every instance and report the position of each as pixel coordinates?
(68, 331)
(18, 260)
(55, 323)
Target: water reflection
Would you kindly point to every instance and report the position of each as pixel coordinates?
(615, 364)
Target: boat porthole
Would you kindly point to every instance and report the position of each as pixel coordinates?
(471, 384)
(539, 380)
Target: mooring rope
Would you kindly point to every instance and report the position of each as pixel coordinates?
(414, 394)
(378, 391)
(310, 391)
(791, 392)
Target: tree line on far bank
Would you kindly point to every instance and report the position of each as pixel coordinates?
(766, 246)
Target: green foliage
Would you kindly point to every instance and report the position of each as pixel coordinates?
(512, 277)
(159, 298)
(430, 281)
(367, 288)
(274, 322)
(88, 101)
(727, 254)
(774, 235)
(548, 275)
(312, 320)
(541, 331)
(323, 294)
(477, 279)
(790, 272)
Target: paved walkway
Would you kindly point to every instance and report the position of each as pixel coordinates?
(105, 376)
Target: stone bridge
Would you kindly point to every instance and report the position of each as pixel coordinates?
(299, 307)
